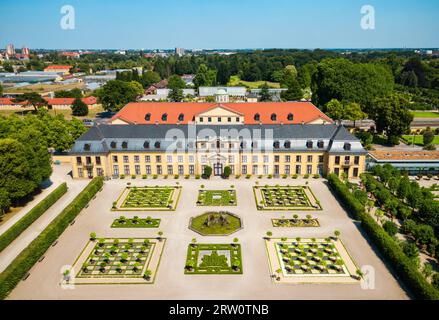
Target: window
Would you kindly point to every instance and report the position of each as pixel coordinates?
(209, 119)
(98, 161)
(265, 169)
(237, 119)
(165, 117)
(266, 159)
(136, 159)
(126, 169)
(273, 117)
(244, 169)
(169, 159)
(255, 158)
(287, 144)
(355, 174)
(158, 159)
(157, 144)
(347, 160)
(287, 169)
(125, 159)
(309, 169)
(276, 144)
(116, 170)
(255, 169)
(99, 172)
(147, 117)
(320, 169)
(125, 144)
(321, 159)
(181, 117)
(180, 159)
(219, 119)
(88, 160)
(337, 160)
(254, 144)
(159, 169)
(337, 171)
(137, 169)
(147, 159)
(203, 159)
(309, 159)
(231, 159)
(191, 169)
(276, 158)
(80, 172)
(257, 117)
(203, 168)
(276, 169)
(347, 146)
(229, 119)
(298, 169)
(79, 160)
(287, 158)
(180, 169)
(201, 119)
(191, 159)
(232, 169)
(244, 159)
(148, 169)
(357, 160)
(298, 158)
(146, 145)
(115, 159)
(290, 117)
(320, 144)
(113, 144)
(87, 147)
(309, 144)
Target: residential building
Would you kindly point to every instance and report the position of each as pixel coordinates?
(63, 69)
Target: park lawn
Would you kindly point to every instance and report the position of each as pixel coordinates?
(236, 81)
(425, 114)
(418, 139)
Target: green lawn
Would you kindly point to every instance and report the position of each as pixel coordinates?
(236, 81)
(425, 114)
(216, 198)
(135, 222)
(215, 223)
(418, 139)
(213, 259)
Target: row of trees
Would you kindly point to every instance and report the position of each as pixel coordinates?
(24, 152)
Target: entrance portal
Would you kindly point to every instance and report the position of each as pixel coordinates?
(218, 169)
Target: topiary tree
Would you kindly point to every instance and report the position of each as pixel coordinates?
(207, 171)
(227, 172)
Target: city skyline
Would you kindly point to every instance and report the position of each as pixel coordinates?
(219, 25)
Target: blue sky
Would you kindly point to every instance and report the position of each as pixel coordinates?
(208, 24)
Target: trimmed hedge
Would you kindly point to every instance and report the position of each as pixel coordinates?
(18, 268)
(21, 225)
(404, 267)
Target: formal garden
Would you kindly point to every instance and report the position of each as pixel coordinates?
(215, 223)
(313, 260)
(135, 222)
(216, 198)
(214, 259)
(285, 198)
(296, 222)
(108, 260)
(160, 198)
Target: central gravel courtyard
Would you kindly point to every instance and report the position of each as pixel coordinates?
(170, 279)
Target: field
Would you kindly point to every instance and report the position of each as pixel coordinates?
(216, 198)
(425, 114)
(236, 81)
(213, 259)
(418, 139)
(215, 223)
(42, 88)
(67, 113)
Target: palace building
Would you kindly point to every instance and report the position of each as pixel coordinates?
(182, 139)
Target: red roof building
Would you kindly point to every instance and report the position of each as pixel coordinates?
(58, 68)
(69, 101)
(220, 113)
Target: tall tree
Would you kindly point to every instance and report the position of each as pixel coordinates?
(31, 99)
(79, 108)
(116, 93)
(149, 78)
(294, 92)
(205, 76)
(352, 111)
(334, 109)
(265, 94)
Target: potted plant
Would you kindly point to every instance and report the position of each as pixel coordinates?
(92, 236)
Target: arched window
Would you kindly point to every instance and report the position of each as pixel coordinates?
(125, 144)
(181, 117)
(273, 117)
(113, 144)
(309, 144)
(347, 146)
(165, 117)
(276, 144)
(257, 117)
(287, 144)
(321, 144)
(290, 117)
(146, 144)
(148, 117)
(157, 144)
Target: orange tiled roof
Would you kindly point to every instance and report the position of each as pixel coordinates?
(57, 67)
(9, 102)
(403, 155)
(69, 101)
(304, 112)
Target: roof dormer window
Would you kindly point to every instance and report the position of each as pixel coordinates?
(146, 144)
(287, 144)
(157, 144)
(309, 144)
(181, 117)
(87, 147)
(257, 117)
(347, 146)
(320, 144)
(125, 144)
(273, 117)
(147, 117)
(165, 117)
(290, 117)
(113, 144)
(276, 144)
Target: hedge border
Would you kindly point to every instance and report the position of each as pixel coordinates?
(21, 225)
(389, 248)
(18, 268)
